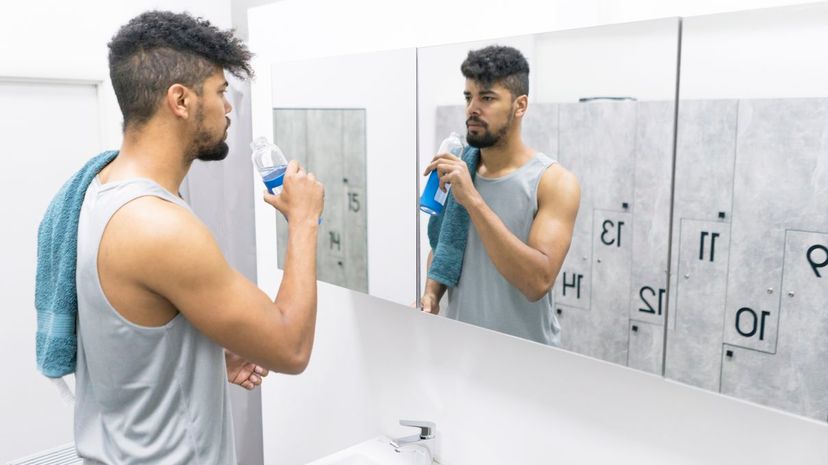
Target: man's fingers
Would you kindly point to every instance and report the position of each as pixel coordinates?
(292, 167)
(442, 158)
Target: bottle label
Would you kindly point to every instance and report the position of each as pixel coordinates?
(440, 196)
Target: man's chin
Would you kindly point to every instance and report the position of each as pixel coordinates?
(216, 153)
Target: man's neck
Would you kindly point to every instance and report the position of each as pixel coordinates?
(153, 154)
(501, 159)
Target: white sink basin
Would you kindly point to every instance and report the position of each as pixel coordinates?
(377, 451)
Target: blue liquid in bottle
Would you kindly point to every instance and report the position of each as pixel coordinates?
(274, 178)
(433, 199)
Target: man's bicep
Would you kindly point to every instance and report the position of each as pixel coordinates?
(194, 276)
(558, 201)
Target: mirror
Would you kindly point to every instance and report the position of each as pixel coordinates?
(601, 103)
(351, 121)
(750, 225)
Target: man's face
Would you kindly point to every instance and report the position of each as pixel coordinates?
(211, 121)
(489, 113)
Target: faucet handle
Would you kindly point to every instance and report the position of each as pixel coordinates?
(427, 428)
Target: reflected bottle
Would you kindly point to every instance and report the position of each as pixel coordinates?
(433, 199)
(270, 162)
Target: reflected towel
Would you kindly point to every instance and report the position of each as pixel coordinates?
(448, 232)
(56, 298)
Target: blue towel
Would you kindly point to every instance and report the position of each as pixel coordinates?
(448, 232)
(56, 298)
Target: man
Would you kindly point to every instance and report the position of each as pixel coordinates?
(157, 302)
(521, 207)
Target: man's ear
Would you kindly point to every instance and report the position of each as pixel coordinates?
(179, 100)
(521, 103)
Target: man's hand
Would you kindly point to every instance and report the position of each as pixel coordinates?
(240, 371)
(452, 170)
(430, 303)
(302, 196)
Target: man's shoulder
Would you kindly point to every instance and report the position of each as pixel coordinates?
(558, 184)
(151, 224)
(555, 176)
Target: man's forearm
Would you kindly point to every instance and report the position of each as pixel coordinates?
(433, 287)
(297, 292)
(523, 266)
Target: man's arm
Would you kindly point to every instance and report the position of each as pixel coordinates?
(430, 301)
(174, 256)
(532, 267)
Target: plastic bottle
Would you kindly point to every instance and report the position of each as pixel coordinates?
(433, 199)
(271, 163)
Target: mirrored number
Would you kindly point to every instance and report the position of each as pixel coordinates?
(334, 240)
(713, 237)
(814, 265)
(353, 201)
(652, 292)
(608, 227)
(747, 318)
(576, 283)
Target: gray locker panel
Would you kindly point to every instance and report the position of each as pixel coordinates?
(331, 144)
(651, 205)
(804, 321)
(781, 177)
(577, 327)
(705, 157)
(611, 280)
(646, 346)
(742, 376)
(290, 134)
(449, 118)
(597, 143)
(695, 347)
(794, 378)
(325, 160)
(540, 128)
(355, 209)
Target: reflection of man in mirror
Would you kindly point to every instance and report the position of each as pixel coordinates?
(502, 238)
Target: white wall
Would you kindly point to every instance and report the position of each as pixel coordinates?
(50, 127)
(761, 54)
(496, 399)
(34, 416)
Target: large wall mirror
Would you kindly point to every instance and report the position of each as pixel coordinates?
(601, 103)
(351, 121)
(702, 222)
(749, 290)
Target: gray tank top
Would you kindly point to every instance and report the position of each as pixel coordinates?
(483, 297)
(142, 394)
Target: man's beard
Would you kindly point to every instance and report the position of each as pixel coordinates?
(202, 148)
(216, 152)
(487, 138)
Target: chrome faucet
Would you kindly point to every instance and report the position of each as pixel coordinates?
(426, 439)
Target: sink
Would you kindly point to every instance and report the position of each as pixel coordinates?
(377, 451)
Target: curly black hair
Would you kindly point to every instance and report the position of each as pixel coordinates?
(157, 49)
(498, 64)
